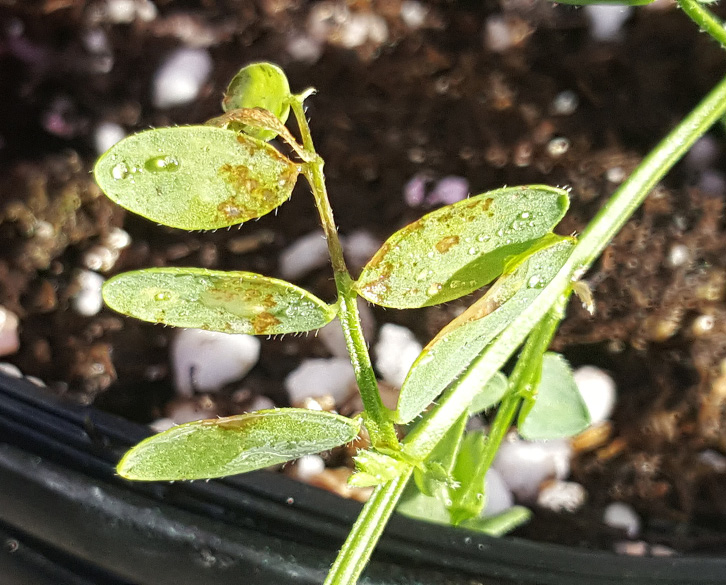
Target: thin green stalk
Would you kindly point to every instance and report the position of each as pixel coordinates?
(366, 532)
(526, 374)
(705, 19)
(378, 423)
(596, 236)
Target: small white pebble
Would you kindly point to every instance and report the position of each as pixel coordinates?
(565, 103)
(638, 548)
(161, 424)
(598, 391)
(309, 466)
(88, 300)
(304, 255)
(360, 28)
(320, 377)
(606, 22)
(9, 339)
(396, 350)
(703, 325)
(524, 465)
(713, 459)
(660, 550)
(712, 183)
(414, 191)
(100, 258)
(622, 516)
(562, 496)
(117, 239)
(679, 255)
(127, 11)
(186, 410)
(359, 247)
(10, 370)
(304, 49)
(703, 154)
(498, 35)
(498, 495)
(558, 146)
(43, 229)
(260, 403)
(615, 175)
(37, 381)
(448, 190)
(180, 77)
(332, 334)
(413, 13)
(207, 360)
(106, 135)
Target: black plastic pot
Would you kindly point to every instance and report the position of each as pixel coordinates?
(66, 518)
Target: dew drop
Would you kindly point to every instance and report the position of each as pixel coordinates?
(163, 295)
(472, 251)
(161, 164)
(524, 215)
(535, 281)
(434, 288)
(120, 171)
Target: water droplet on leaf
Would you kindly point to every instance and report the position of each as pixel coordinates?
(161, 164)
(163, 295)
(535, 281)
(120, 171)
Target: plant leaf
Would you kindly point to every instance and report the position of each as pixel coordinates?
(231, 302)
(259, 85)
(374, 468)
(196, 177)
(236, 444)
(500, 524)
(468, 499)
(488, 396)
(459, 248)
(435, 478)
(558, 409)
(462, 340)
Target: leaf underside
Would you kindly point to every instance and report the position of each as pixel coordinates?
(231, 302)
(558, 410)
(236, 444)
(462, 340)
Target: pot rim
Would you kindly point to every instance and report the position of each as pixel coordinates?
(65, 512)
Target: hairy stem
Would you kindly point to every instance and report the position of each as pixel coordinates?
(366, 532)
(378, 422)
(705, 19)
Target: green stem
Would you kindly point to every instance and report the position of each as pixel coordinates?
(378, 422)
(609, 220)
(526, 375)
(705, 19)
(366, 532)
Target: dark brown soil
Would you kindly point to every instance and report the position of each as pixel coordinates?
(430, 99)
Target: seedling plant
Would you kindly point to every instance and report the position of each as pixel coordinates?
(227, 172)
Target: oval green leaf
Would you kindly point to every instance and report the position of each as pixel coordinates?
(231, 302)
(259, 85)
(461, 341)
(196, 177)
(459, 248)
(558, 410)
(220, 447)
